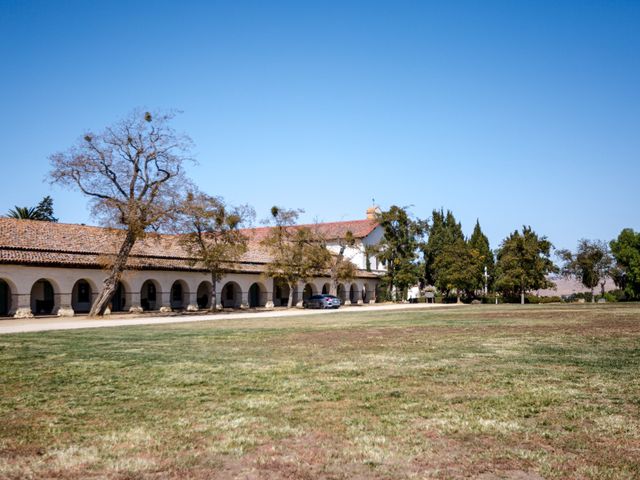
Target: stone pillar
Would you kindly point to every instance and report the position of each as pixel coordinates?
(244, 300)
(64, 302)
(192, 302)
(21, 305)
(164, 300)
(347, 294)
(133, 300)
(218, 297)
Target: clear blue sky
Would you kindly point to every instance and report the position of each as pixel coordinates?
(515, 113)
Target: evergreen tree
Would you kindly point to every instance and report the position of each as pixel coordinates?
(457, 266)
(480, 243)
(443, 231)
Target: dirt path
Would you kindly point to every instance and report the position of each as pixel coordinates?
(57, 323)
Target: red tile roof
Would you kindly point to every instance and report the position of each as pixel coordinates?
(30, 242)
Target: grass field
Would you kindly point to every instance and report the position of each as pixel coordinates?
(495, 392)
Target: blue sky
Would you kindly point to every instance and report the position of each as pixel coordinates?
(511, 112)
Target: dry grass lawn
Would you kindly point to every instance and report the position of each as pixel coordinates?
(489, 392)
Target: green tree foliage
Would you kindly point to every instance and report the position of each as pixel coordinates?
(457, 268)
(399, 250)
(591, 263)
(443, 231)
(480, 243)
(297, 253)
(210, 232)
(626, 251)
(43, 211)
(523, 263)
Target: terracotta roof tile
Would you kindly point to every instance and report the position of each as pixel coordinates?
(29, 242)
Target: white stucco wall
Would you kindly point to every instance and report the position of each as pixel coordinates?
(21, 280)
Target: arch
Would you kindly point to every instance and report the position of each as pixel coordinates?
(203, 294)
(5, 297)
(43, 297)
(231, 295)
(82, 296)
(257, 295)
(150, 295)
(353, 293)
(119, 299)
(280, 292)
(326, 288)
(309, 290)
(341, 293)
(179, 296)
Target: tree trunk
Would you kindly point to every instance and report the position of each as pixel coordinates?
(602, 287)
(291, 293)
(110, 284)
(214, 300)
(522, 297)
(593, 297)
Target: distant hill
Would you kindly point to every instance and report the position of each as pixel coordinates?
(567, 286)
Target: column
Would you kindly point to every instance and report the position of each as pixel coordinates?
(64, 305)
(164, 300)
(192, 301)
(21, 305)
(347, 294)
(244, 301)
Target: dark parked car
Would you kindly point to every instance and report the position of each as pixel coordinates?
(322, 301)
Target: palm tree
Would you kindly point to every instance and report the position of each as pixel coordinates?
(25, 213)
(43, 211)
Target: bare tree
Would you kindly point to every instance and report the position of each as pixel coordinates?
(297, 252)
(133, 175)
(211, 233)
(339, 265)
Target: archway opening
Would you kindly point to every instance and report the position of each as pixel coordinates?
(119, 301)
(341, 293)
(308, 291)
(257, 295)
(326, 288)
(204, 295)
(231, 295)
(149, 296)
(365, 293)
(5, 298)
(81, 297)
(280, 293)
(179, 295)
(42, 298)
(353, 294)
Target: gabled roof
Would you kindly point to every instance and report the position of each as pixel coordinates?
(31, 242)
(329, 230)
